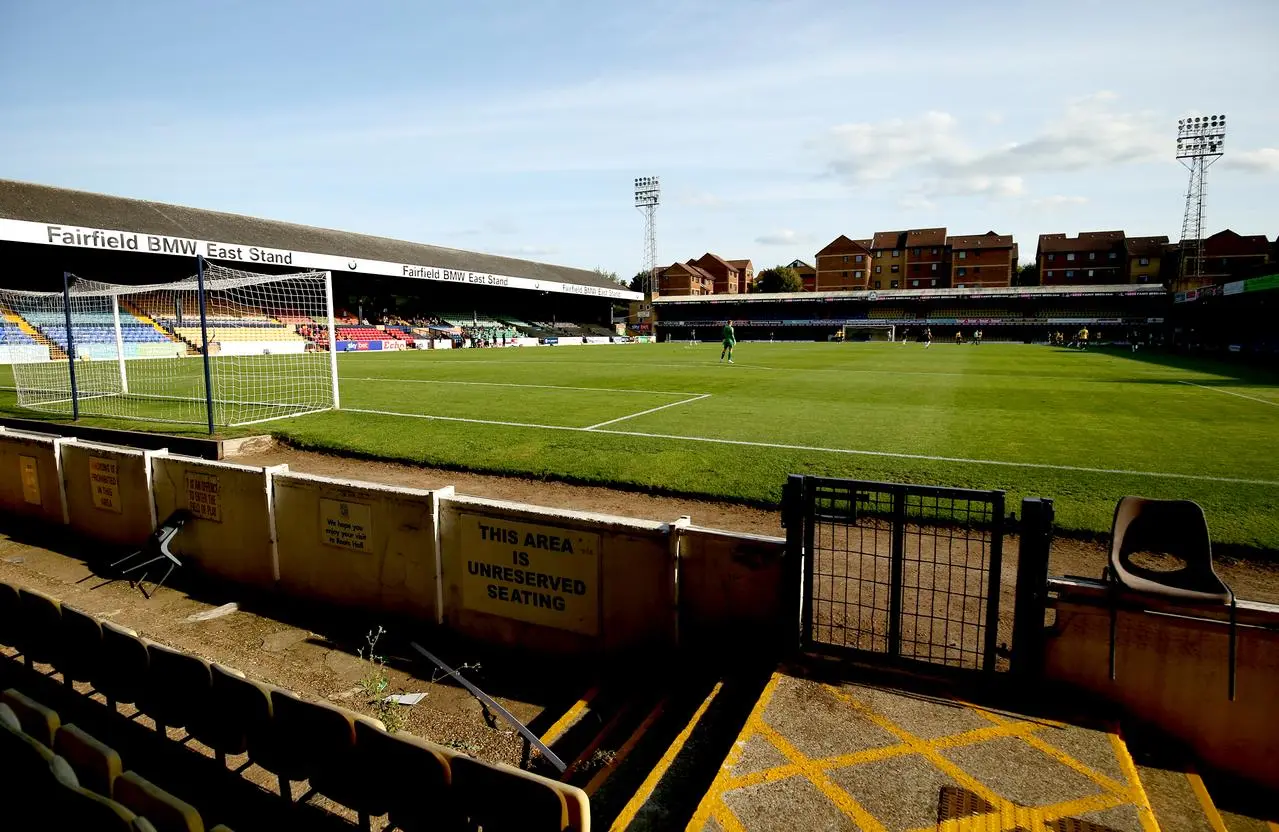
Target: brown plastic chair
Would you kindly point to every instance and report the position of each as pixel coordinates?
(81, 651)
(96, 764)
(24, 770)
(37, 721)
(165, 812)
(178, 687)
(77, 807)
(1172, 527)
(500, 798)
(41, 627)
(408, 778)
(122, 672)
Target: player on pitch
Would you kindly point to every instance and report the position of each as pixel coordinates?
(729, 340)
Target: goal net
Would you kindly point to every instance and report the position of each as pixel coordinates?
(137, 352)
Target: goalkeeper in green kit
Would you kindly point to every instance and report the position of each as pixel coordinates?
(729, 340)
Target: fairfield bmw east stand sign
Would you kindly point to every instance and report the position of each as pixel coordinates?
(22, 231)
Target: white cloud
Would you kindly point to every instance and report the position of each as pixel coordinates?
(701, 199)
(1262, 160)
(932, 149)
(1057, 201)
(781, 237)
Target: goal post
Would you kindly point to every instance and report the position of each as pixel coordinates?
(221, 348)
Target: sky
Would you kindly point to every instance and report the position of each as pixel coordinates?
(518, 127)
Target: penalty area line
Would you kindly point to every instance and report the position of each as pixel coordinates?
(650, 410)
(847, 451)
(513, 384)
(1230, 393)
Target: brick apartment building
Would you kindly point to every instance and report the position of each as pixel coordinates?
(1229, 256)
(1145, 259)
(843, 264)
(926, 259)
(685, 279)
(806, 273)
(1092, 258)
(745, 275)
(982, 260)
(727, 276)
(888, 248)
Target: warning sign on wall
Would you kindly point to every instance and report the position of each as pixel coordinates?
(104, 480)
(203, 499)
(30, 479)
(540, 574)
(345, 524)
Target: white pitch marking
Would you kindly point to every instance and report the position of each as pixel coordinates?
(460, 419)
(849, 451)
(650, 410)
(512, 384)
(1231, 393)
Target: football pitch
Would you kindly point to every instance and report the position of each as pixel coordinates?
(1081, 428)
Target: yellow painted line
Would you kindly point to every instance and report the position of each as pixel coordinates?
(598, 740)
(627, 747)
(1205, 802)
(654, 777)
(842, 799)
(1070, 762)
(1144, 813)
(570, 716)
(725, 817)
(712, 802)
(956, 773)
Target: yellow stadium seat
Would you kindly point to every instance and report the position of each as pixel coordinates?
(81, 636)
(37, 721)
(96, 764)
(122, 672)
(178, 687)
(165, 812)
(500, 798)
(40, 626)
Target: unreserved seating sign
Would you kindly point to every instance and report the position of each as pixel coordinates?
(540, 574)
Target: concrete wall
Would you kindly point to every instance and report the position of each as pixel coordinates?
(733, 590)
(1172, 673)
(231, 535)
(582, 583)
(108, 492)
(356, 544)
(31, 475)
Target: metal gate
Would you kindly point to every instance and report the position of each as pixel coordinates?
(907, 572)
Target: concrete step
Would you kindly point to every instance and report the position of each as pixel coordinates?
(1184, 800)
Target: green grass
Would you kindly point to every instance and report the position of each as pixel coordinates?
(1134, 416)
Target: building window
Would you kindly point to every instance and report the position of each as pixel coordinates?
(1070, 255)
(932, 283)
(1145, 261)
(1052, 257)
(893, 285)
(934, 251)
(878, 284)
(879, 254)
(879, 269)
(857, 258)
(1092, 255)
(963, 272)
(859, 274)
(934, 267)
(1113, 255)
(963, 255)
(845, 258)
(1091, 272)
(917, 251)
(914, 284)
(896, 268)
(896, 252)
(1070, 273)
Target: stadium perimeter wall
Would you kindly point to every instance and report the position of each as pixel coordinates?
(32, 484)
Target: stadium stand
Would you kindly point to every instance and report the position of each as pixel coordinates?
(79, 782)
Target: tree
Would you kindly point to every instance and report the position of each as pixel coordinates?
(639, 282)
(1027, 275)
(779, 279)
(608, 275)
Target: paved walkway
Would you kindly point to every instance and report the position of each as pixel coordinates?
(816, 756)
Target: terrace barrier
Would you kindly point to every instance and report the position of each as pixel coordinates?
(32, 481)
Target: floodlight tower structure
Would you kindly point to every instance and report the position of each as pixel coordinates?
(1201, 140)
(648, 193)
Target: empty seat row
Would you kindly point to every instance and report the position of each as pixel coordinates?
(69, 780)
(344, 755)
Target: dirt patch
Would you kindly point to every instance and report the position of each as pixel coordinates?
(1083, 558)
